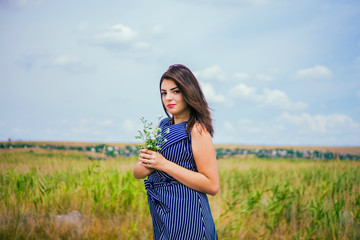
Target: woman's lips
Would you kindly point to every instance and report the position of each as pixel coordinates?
(171, 105)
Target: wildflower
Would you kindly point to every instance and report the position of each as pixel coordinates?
(152, 136)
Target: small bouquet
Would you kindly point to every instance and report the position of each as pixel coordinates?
(151, 135)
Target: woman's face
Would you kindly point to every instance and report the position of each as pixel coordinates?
(173, 99)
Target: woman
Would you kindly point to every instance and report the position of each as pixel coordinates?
(185, 169)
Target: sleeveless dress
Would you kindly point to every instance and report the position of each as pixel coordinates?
(178, 212)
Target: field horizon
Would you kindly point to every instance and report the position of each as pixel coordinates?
(354, 150)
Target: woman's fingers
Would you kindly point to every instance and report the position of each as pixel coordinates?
(144, 150)
(144, 161)
(145, 158)
(149, 158)
(150, 151)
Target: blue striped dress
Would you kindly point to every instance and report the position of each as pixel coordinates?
(178, 212)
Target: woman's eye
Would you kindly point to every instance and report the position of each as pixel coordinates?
(176, 91)
(163, 93)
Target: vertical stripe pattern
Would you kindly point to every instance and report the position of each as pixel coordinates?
(178, 212)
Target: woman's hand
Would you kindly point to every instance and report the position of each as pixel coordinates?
(142, 170)
(151, 159)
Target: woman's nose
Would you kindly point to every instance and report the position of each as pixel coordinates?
(168, 96)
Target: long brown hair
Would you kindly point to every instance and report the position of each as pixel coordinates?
(193, 96)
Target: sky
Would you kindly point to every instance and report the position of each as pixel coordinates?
(274, 72)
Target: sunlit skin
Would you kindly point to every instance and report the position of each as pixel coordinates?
(206, 180)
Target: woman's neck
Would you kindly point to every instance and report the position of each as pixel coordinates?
(180, 119)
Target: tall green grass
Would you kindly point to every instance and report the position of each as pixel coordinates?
(298, 200)
(282, 199)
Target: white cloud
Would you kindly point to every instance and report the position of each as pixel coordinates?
(316, 72)
(293, 129)
(334, 123)
(213, 72)
(210, 93)
(275, 97)
(268, 98)
(278, 99)
(117, 34)
(71, 63)
(125, 38)
(244, 92)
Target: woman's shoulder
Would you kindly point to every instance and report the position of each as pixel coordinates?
(199, 129)
(200, 137)
(164, 122)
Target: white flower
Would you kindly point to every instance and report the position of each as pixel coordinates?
(151, 135)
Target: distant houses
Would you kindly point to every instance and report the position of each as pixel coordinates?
(284, 153)
(128, 151)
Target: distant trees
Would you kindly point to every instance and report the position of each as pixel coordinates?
(285, 153)
(127, 151)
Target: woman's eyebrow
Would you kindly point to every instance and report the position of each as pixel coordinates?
(170, 89)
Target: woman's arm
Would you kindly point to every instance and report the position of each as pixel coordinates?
(206, 180)
(140, 171)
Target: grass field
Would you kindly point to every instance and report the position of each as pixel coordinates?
(258, 199)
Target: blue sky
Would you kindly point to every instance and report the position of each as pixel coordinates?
(274, 72)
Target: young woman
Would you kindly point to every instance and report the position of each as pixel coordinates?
(185, 169)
